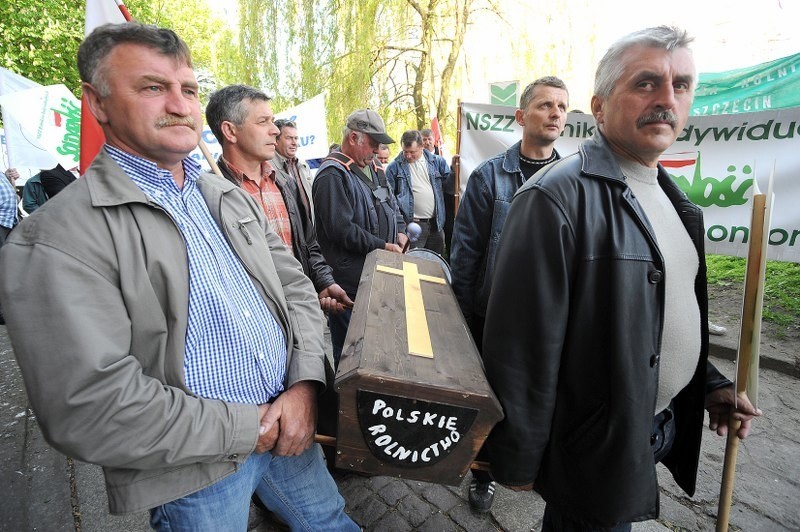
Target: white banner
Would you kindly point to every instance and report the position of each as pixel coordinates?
(311, 128)
(714, 161)
(49, 117)
(22, 151)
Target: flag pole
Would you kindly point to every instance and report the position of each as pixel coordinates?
(91, 129)
(211, 162)
(457, 169)
(748, 340)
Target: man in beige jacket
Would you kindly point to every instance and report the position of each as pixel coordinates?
(188, 351)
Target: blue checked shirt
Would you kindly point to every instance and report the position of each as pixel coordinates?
(235, 349)
(8, 203)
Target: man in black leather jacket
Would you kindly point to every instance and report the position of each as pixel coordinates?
(596, 338)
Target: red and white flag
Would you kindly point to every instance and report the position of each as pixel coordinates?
(438, 141)
(98, 12)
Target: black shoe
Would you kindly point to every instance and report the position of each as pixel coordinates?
(481, 496)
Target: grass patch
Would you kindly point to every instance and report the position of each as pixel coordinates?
(781, 290)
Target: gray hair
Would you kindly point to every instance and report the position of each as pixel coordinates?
(346, 133)
(96, 47)
(427, 132)
(547, 81)
(227, 105)
(611, 67)
(410, 137)
(284, 122)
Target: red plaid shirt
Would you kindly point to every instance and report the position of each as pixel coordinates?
(268, 195)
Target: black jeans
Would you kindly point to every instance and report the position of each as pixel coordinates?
(432, 240)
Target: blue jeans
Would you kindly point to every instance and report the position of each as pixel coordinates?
(338, 324)
(297, 488)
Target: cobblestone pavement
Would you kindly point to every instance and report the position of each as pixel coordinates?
(42, 490)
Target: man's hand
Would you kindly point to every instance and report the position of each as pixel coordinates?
(402, 238)
(719, 404)
(266, 438)
(12, 174)
(334, 299)
(293, 416)
(394, 248)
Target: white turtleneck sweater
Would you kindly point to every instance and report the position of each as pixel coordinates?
(680, 339)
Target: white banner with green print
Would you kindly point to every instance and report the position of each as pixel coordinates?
(714, 161)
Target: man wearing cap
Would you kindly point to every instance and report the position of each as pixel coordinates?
(356, 211)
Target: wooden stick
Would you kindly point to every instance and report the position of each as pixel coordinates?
(211, 162)
(752, 285)
(330, 441)
(457, 169)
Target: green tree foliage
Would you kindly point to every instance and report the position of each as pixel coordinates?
(288, 49)
(398, 56)
(40, 39)
(214, 55)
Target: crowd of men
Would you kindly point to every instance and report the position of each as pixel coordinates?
(190, 307)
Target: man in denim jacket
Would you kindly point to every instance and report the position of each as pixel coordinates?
(416, 176)
(542, 114)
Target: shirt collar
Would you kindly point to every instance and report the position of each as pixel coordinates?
(267, 171)
(147, 175)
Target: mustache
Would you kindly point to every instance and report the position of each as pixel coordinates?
(658, 116)
(168, 121)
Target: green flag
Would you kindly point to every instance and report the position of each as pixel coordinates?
(772, 85)
(504, 93)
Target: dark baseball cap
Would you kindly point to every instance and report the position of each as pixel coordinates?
(369, 122)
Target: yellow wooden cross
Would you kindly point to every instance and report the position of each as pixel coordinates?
(419, 337)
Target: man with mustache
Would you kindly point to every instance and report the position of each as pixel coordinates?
(383, 155)
(542, 114)
(596, 337)
(189, 350)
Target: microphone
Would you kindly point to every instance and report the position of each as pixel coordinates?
(413, 231)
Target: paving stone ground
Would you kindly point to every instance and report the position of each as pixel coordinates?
(41, 490)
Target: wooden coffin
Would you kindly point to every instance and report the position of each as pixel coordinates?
(413, 398)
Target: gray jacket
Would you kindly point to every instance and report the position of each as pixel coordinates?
(105, 271)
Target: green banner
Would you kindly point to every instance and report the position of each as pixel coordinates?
(773, 85)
